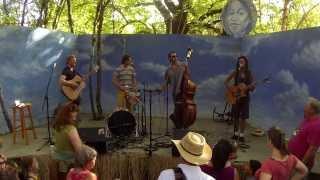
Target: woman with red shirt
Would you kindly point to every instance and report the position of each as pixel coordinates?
(281, 165)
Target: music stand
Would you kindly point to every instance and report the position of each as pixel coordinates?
(46, 102)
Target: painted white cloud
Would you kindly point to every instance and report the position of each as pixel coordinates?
(292, 100)
(220, 47)
(106, 67)
(309, 57)
(252, 43)
(285, 77)
(154, 67)
(212, 88)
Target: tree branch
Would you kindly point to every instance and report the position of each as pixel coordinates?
(171, 6)
(120, 12)
(166, 14)
(209, 13)
(140, 22)
(305, 15)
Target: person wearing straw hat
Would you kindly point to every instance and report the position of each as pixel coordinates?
(195, 152)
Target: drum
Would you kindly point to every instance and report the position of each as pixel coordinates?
(121, 123)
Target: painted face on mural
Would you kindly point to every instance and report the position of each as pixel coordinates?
(237, 17)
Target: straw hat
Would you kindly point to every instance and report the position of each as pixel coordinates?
(194, 149)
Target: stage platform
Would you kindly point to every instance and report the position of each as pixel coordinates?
(133, 162)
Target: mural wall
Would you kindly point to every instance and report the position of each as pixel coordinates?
(290, 58)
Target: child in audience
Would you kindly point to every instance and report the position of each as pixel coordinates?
(7, 171)
(85, 162)
(29, 168)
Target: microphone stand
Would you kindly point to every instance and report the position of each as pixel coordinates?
(46, 102)
(167, 111)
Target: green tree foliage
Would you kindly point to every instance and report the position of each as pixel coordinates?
(201, 17)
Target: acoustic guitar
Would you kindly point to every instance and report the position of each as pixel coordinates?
(73, 94)
(236, 92)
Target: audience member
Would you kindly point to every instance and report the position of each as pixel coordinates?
(220, 167)
(194, 152)
(85, 162)
(306, 142)
(281, 165)
(29, 168)
(7, 172)
(67, 140)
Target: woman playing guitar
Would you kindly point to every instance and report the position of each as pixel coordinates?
(238, 95)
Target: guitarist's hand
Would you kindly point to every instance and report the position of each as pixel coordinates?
(121, 88)
(74, 85)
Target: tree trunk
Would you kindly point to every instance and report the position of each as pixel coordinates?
(5, 7)
(43, 15)
(24, 8)
(305, 15)
(99, 45)
(175, 23)
(58, 12)
(92, 104)
(93, 60)
(5, 113)
(285, 13)
(70, 21)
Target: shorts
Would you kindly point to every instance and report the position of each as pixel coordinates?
(240, 110)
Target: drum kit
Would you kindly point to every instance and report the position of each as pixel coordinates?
(128, 126)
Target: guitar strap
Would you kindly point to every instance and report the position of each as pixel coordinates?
(178, 174)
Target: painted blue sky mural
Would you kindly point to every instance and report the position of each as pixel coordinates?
(290, 58)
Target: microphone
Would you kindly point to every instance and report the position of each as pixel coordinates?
(189, 52)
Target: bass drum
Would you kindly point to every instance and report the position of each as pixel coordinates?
(121, 123)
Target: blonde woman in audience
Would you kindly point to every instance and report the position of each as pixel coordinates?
(85, 162)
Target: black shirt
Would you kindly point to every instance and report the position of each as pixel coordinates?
(70, 74)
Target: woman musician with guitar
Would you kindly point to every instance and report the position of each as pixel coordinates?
(238, 96)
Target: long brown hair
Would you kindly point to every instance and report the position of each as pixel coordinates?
(63, 116)
(277, 138)
(246, 70)
(222, 151)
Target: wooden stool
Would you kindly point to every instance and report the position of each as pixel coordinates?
(21, 108)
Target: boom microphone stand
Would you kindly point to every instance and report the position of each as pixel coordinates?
(46, 101)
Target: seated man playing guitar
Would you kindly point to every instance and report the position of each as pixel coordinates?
(238, 96)
(67, 76)
(124, 79)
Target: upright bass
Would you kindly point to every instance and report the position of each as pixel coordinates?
(185, 108)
